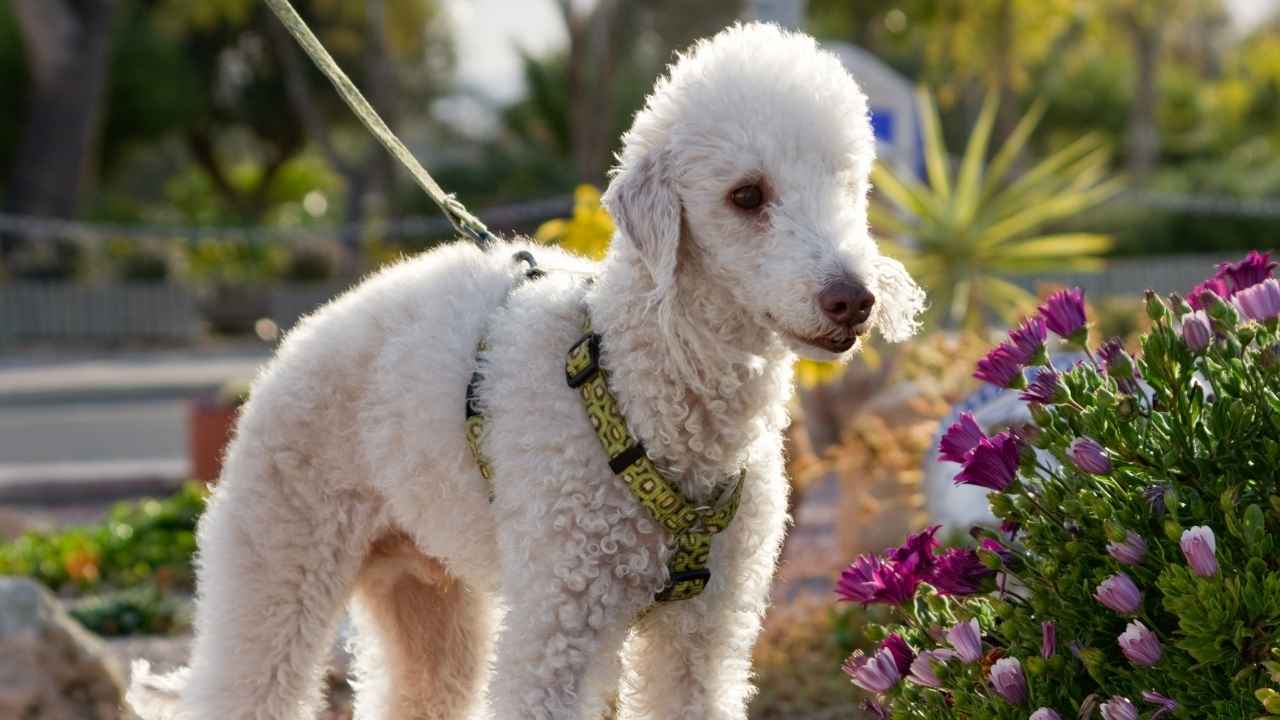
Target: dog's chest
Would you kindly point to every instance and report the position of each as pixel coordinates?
(553, 487)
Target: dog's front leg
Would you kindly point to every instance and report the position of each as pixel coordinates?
(568, 611)
(691, 659)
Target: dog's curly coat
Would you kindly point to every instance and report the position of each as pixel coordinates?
(349, 478)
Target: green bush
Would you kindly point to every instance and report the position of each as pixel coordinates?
(138, 611)
(150, 542)
(1136, 572)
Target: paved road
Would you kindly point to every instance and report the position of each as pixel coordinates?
(92, 431)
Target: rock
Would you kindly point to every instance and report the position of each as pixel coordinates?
(50, 667)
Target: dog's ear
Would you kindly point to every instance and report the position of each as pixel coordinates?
(897, 314)
(646, 208)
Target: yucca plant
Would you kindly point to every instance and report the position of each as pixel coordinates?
(971, 227)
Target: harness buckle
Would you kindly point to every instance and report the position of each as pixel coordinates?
(680, 580)
(592, 367)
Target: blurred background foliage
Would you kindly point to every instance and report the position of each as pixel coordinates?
(204, 113)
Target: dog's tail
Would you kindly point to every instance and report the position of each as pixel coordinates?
(156, 697)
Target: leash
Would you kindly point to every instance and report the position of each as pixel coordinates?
(463, 221)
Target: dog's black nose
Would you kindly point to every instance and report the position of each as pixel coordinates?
(846, 303)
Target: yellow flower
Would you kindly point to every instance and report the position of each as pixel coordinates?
(587, 233)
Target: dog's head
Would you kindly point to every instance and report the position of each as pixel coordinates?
(750, 160)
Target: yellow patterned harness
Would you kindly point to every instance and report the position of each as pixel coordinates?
(691, 526)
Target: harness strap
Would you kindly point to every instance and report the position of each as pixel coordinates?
(692, 526)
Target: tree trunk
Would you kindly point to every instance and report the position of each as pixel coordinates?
(593, 55)
(1144, 133)
(67, 46)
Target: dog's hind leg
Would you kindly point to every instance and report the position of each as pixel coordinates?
(423, 639)
(278, 560)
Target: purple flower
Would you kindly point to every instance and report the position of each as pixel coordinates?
(1140, 645)
(966, 638)
(958, 572)
(1001, 367)
(1027, 341)
(1045, 713)
(922, 672)
(915, 556)
(900, 650)
(1260, 302)
(1117, 363)
(870, 579)
(1008, 680)
(1089, 456)
(1167, 704)
(1130, 552)
(1010, 528)
(1256, 267)
(1203, 295)
(1119, 594)
(1197, 331)
(1087, 706)
(1048, 639)
(873, 673)
(1044, 389)
(1154, 495)
(960, 439)
(1199, 547)
(993, 464)
(992, 545)
(1119, 708)
(1063, 313)
(876, 709)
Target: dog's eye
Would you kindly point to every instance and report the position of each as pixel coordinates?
(747, 197)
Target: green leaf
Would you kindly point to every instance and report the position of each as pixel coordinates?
(969, 181)
(935, 150)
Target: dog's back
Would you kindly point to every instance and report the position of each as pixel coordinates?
(353, 432)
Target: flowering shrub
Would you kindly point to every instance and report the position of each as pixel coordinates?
(1136, 569)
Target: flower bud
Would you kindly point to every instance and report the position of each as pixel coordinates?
(1224, 317)
(1156, 309)
(1009, 681)
(1140, 645)
(1172, 530)
(1178, 305)
(1118, 593)
(1041, 415)
(1131, 550)
(1087, 455)
(1196, 331)
(1200, 549)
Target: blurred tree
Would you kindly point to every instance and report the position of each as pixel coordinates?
(612, 38)
(968, 229)
(65, 45)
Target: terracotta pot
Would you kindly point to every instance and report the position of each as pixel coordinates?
(210, 423)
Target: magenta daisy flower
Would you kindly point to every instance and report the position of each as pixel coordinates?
(870, 579)
(1044, 389)
(993, 464)
(901, 651)
(1063, 314)
(1028, 340)
(960, 439)
(1001, 367)
(1203, 295)
(958, 572)
(1256, 267)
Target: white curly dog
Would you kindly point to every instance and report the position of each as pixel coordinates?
(740, 200)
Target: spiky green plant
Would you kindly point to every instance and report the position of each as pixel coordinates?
(972, 227)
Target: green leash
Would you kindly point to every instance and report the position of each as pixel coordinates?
(464, 222)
